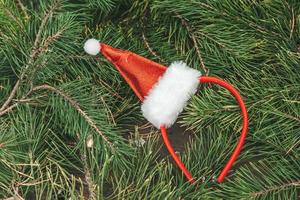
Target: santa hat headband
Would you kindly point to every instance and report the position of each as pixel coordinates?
(164, 92)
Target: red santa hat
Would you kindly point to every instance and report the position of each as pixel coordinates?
(164, 92)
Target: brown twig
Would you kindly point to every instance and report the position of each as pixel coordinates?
(10, 97)
(296, 183)
(109, 110)
(76, 106)
(150, 49)
(8, 12)
(23, 9)
(43, 23)
(68, 99)
(17, 196)
(52, 38)
(36, 51)
(292, 24)
(87, 175)
(192, 35)
(8, 109)
(88, 179)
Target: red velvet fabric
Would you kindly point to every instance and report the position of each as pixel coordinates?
(139, 72)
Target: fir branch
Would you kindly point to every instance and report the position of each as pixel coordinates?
(192, 35)
(34, 54)
(24, 99)
(88, 178)
(109, 110)
(47, 15)
(10, 97)
(76, 106)
(276, 188)
(17, 20)
(87, 174)
(8, 109)
(286, 115)
(72, 102)
(23, 9)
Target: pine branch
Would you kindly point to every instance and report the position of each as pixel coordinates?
(277, 188)
(74, 104)
(47, 15)
(87, 175)
(10, 97)
(34, 54)
(192, 35)
(292, 147)
(23, 9)
(88, 179)
(292, 23)
(252, 43)
(109, 110)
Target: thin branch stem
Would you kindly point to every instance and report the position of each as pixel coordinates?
(292, 23)
(87, 175)
(23, 8)
(8, 12)
(192, 35)
(10, 97)
(32, 183)
(17, 196)
(43, 23)
(292, 147)
(296, 183)
(109, 110)
(292, 117)
(76, 106)
(68, 99)
(9, 198)
(34, 54)
(150, 49)
(8, 109)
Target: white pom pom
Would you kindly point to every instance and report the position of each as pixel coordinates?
(92, 46)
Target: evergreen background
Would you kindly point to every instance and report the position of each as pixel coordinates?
(70, 126)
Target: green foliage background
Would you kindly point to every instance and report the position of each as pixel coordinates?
(57, 103)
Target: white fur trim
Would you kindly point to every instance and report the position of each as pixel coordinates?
(169, 96)
(92, 46)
